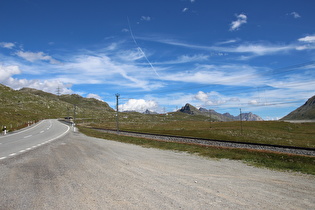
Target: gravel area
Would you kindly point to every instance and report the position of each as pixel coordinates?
(79, 172)
(216, 143)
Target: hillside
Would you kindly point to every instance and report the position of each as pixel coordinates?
(189, 109)
(304, 112)
(73, 99)
(17, 107)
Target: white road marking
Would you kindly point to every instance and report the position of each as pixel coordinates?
(25, 129)
(27, 136)
(29, 148)
(42, 132)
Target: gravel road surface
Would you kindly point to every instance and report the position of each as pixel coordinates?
(79, 172)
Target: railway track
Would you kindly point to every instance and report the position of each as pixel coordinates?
(218, 143)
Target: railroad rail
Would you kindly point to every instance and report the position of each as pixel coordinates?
(218, 143)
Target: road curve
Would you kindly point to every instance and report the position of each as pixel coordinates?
(30, 138)
(80, 172)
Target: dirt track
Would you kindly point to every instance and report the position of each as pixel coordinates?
(79, 172)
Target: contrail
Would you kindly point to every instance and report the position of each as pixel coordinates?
(139, 48)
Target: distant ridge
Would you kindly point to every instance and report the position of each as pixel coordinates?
(73, 99)
(27, 104)
(190, 109)
(304, 112)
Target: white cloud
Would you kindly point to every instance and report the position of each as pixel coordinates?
(308, 43)
(295, 14)
(139, 105)
(237, 75)
(227, 42)
(32, 57)
(253, 102)
(308, 39)
(6, 73)
(257, 49)
(109, 65)
(7, 78)
(210, 99)
(7, 45)
(98, 68)
(92, 95)
(194, 58)
(201, 96)
(241, 19)
(125, 30)
(145, 18)
(131, 55)
(186, 59)
(185, 9)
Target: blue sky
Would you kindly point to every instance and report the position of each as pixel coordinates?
(161, 54)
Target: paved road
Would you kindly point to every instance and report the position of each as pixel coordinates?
(29, 138)
(80, 172)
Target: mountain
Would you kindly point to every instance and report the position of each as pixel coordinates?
(189, 109)
(304, 112)
(73, 99)
(149, 112)
(245, 117)
(20, 106)
(214, 115)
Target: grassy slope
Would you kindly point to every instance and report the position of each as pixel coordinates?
(304, 112)
(269, 132)
(19, 107)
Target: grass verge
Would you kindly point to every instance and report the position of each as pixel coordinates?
(271, 160)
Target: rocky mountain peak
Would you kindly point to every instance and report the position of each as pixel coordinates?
(189, 109)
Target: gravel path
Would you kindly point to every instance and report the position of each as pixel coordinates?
(79, 172)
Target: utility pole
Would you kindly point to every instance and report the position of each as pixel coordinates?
(74, 111)
(58, 91)
(210, 118)
(241, 121)
(117, 123)
(68, 109)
